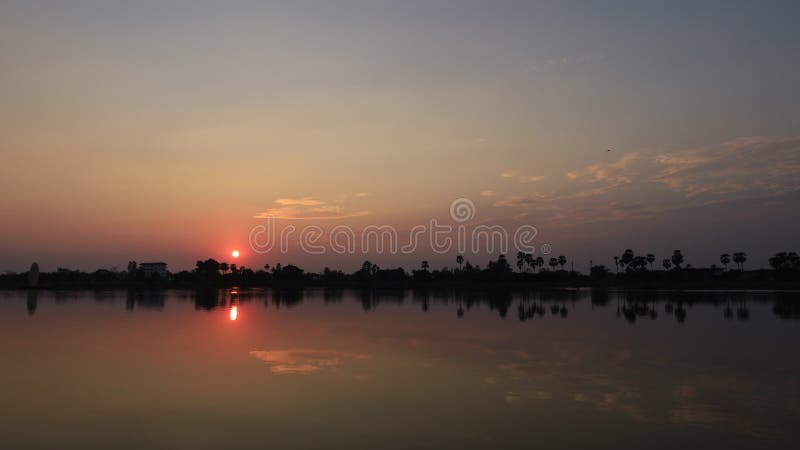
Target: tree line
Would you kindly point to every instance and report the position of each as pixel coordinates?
(628, 268)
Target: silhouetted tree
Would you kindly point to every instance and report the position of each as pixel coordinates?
(540, 262)
(651, 258)
(627, 258)
(725, 259)
(425, 266)
(666, 263)
(785, 261)
(616, 263)
(599, 272)
(562, 260)
(638, 263)
(520, 260)
(223, 266)
(553, 263)
(208, 267)
(677, 258)
(530, 261)
(459, 261)
(739, 258)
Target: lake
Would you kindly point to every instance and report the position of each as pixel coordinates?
(399, 369)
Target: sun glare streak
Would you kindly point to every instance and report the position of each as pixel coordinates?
(234, 313)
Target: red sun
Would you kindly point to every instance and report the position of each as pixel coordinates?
(235, 253)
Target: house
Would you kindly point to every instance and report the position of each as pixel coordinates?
(150, 268)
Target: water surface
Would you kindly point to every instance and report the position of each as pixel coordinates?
(362, 369)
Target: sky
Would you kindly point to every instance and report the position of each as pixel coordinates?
(165, 131)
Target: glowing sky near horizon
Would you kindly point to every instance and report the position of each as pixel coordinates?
(159, 130)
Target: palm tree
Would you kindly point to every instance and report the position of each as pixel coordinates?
(739, 258)
(520, 260)
(725, 259)
(627, 257)
(425, 265)
(540, 262)
(677, 258)
(666, 263)
(223, 266)
(530, 261)
(561, 261)
(553, 263)
(459, 261)
(616, 263)
(651, 258)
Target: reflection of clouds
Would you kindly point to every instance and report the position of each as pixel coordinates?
(543, 378)
(303, 361)
(513, 397)
(618, 381)
(762, 408)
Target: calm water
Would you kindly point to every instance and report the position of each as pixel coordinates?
(345, 369)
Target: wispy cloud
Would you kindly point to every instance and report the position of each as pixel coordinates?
(610, 173)
(309, 209)
(750, 165)
(305, 201)
(517, 201)
(522, 178)
(487, 193)
(599, 179)
(530, 178)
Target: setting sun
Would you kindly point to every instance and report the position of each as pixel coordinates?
(234, 312)
(235, 253)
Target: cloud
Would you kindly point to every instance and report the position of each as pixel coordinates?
(304, 361)
(744, 166)
(362, 194)
(599, 179)
(487, 193)
(331, 212)
(309, 209)
(530, 178)
(619, 210)
(305, 201)
(522, 178)
(611, 173)
(517, 201)
(639, 185)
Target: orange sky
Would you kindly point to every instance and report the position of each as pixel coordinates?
(152, 132)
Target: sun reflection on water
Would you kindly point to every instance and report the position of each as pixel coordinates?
(234, 312)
